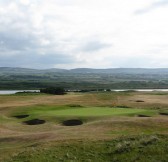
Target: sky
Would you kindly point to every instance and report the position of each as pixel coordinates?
(84, 34)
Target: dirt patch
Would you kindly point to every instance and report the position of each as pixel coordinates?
(21, 116)
(72, 122)
(141, 115)
(34, 122)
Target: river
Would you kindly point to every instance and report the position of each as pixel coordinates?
(3, 92)
(141, 90)
(15, 91)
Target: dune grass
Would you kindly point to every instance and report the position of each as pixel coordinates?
(139, 149)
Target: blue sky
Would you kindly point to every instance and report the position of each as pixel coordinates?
(84, 33)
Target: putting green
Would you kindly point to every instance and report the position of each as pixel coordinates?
(96, 112)
(91, 111)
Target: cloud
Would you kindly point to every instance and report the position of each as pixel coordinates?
(78, 33)
(30, 60)
(160, 3)
(12, 41)
(153, 6)
(93, 46)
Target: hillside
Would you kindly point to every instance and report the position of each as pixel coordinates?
(157, 71)
(83, 78)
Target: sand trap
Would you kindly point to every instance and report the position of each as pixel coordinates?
(72, 122)
(21, 116)
(140, 101)
(140, 115)
(34, 122)
(163, 113)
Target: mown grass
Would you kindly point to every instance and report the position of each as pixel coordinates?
(96, 111)
(139, 149)
(71, 110)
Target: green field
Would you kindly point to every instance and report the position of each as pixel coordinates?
(114, 127)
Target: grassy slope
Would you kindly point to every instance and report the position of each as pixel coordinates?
(139, 149)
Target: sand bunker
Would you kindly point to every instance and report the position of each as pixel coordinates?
(72, 122)
(34, 122)
(140, 101)
(21, 116)
(163, 113)
(141, 115)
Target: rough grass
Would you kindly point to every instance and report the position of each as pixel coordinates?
(139, 149)
(127, 99)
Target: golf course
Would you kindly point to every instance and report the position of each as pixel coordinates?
(92, 126)
(83, 81)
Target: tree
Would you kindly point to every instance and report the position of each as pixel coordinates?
(53, 90)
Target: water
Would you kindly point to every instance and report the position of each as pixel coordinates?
(2, 92)
(141, 90)
(15, 91)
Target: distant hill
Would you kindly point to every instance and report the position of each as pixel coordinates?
(83, 78)
(122, 70)
(9, 70)
(15, 70)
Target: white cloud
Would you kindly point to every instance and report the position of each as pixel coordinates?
(25, 2)
(95, 33)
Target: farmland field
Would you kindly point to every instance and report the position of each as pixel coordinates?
(104, 126)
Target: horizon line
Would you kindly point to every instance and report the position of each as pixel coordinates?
(85, 68)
